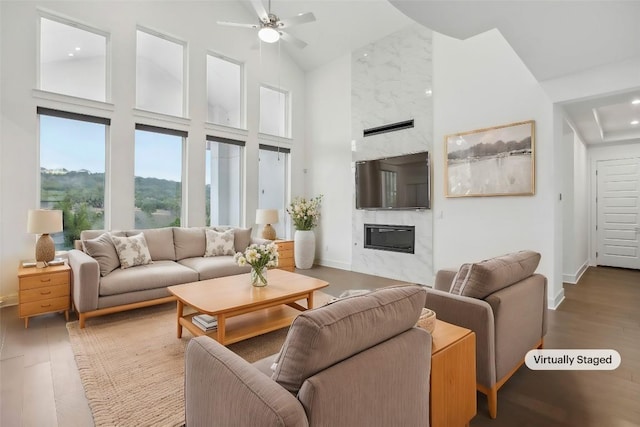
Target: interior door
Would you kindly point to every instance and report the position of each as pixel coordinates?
(618, 213)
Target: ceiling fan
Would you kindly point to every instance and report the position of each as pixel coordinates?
(270, 27)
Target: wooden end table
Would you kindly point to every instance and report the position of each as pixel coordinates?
(43, 290)
(285, 255)
(452, 397)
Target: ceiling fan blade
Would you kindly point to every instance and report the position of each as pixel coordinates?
(236, 24)
(301, 18)
(260, 10)
(293, 40)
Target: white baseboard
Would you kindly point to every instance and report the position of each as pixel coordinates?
(333, 264)
(8, 300)
(553, 303)
(574, 278)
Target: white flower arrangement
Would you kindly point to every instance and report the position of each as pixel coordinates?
(258, 256)
(305, 213)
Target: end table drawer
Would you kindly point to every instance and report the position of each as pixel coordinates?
(38, 294)
(285, 246)
(44, 306)
(52, 279)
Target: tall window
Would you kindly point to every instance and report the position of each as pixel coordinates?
(159, 74)
(224, 92)
(158, 176)
(274, 111)
(224, 169)
(72, 171)
(73, 60)
(273, 179)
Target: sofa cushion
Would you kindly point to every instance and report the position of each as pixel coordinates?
(189, 242)
(321, 337)
(481, 279)
(242, 239)
(92, 234)
(102, 250)
(160, 242)
(132, 250)
(143, 277)
(212, 267)
(219, 243)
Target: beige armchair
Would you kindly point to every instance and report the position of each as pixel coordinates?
(505, 304)
(355, 362)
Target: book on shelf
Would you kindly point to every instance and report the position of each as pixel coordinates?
(205, 322)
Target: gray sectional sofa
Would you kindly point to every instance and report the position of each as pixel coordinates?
(101, 286)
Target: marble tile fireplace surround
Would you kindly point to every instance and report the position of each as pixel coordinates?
(391, 82)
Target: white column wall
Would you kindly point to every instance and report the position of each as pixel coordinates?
(193, 22)
(329, 169)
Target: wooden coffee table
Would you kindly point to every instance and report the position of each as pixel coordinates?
(244, 311)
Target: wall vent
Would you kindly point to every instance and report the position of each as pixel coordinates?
(392, 127)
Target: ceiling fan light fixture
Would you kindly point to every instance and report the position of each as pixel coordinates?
(268, 35)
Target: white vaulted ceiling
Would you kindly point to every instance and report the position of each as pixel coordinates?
(555, 39)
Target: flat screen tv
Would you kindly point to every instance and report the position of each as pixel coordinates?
(399, 182)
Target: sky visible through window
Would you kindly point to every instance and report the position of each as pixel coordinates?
(158, 156)
(71, 144)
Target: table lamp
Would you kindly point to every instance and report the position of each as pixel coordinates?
(44, 222)
(267, 217)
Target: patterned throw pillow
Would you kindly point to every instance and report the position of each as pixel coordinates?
(132, 250)
(219, 243)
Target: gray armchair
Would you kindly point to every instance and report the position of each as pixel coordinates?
(355, 362)
(505, 304)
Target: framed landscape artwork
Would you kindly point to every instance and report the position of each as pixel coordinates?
(496, 161)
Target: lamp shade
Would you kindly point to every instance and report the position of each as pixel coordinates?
(44, 221)
(266, 216)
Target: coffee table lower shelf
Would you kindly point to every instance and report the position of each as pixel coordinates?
(248, 325)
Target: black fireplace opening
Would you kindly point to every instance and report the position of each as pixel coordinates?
(395, 238)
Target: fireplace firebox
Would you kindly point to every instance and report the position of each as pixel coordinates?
(395, 238)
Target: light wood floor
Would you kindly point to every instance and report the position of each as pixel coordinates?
(40, 385)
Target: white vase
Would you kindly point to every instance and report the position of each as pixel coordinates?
(304, 248)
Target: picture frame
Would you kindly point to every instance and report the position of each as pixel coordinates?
(494, 161)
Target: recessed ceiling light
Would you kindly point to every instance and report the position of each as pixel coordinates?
(634, 122)
(77, 49)
(428, 92)
(635, 101)
(365, 54)
(70, 54)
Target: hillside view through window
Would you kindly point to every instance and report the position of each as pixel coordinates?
(73, 178)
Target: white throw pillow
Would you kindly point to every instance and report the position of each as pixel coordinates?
(219, 243)
(132, 250)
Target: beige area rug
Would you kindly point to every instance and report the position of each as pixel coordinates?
(132, 365)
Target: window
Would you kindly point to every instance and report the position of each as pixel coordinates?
(273, 176)
(73, 60)
(159, 74)
(72, 171)
(224, 92)
(158, 177)
(274, 112)
(224, 169)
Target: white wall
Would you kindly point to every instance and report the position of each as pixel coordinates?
(478, 83)
(193, 22)
(328, 161)
(575, 204)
